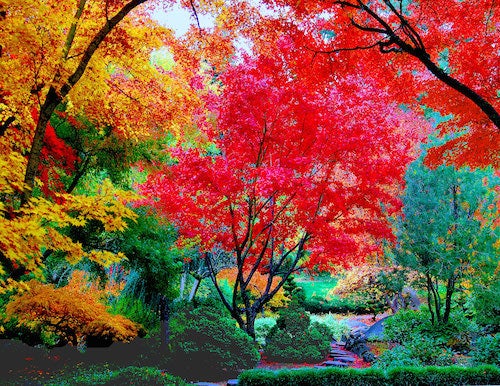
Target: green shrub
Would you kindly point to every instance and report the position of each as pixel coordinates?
(319, 305)
(263, 327)
(127, 376)
(486, 350)
(295, 339)
(424, 343)
(337, 328)
(409, 326)
(405, 323)
(411, 376)
(485, 304)
(396, 357)
(207, 344)
(137, 311)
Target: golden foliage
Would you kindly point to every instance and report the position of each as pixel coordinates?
(73, 312)
(27, 232)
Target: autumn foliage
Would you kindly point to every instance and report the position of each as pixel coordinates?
(75, 58)
(426, 54)
(74, 312)
(294, 173)
(257, 286)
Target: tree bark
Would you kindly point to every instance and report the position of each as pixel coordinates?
(164, 321)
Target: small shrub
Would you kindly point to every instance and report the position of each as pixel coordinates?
(485, 304)
(207, 344)
(337, 328)
(424, 343)
(396, 357)
(401, 326)
(72, 313)
(295, 339)
(486, 350)
(263, 327)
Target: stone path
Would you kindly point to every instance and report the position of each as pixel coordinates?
(338, 357)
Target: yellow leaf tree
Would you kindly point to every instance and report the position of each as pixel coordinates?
(92, 59)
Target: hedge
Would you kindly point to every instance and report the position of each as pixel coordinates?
(414, 376)
(317, 305)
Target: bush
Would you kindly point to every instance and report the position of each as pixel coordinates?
(263, 327)
(424, 343)
(396, 357)
(403, 324)
(337, 328)
(408, 325)
(127, 376)
(295, 339)
(486, 350)
(70, 312)
(414, 376)
(206, 344)
(318, 305)
(486, 305)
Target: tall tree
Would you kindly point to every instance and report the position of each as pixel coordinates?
(448, 231)
(91, 59)
(291, 177)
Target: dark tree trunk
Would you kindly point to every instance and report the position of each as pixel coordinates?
(450, 288)
(164, 321)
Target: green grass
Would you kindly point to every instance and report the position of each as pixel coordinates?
(318, 286)
(102, 375)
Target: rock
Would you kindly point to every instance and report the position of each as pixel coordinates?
(356, 342)
(335, 363)
(337, 352)
(346, 359)
(377, 329)
(356, 324)
(368, 356)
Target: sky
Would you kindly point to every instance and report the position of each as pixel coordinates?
(179, 19)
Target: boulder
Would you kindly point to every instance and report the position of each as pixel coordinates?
(376, 330)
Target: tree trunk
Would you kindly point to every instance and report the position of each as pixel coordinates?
(164, 321)
(251, 315)
(450, 288)
(430, 297)
(182, 285)
(194, 288)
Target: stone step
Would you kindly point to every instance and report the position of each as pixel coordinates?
(338, 352)
(346, 359)
(206, 384)
(335, 363)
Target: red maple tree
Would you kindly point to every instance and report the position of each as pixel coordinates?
(296, 174)
(437, 54)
